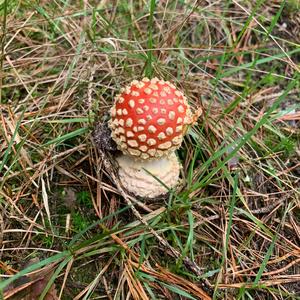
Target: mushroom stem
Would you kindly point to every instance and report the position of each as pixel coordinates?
(150, 178)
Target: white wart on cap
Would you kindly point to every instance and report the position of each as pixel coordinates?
(148, 118)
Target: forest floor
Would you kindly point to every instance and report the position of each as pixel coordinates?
(68, 232)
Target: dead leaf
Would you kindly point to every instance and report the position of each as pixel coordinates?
(31, 286)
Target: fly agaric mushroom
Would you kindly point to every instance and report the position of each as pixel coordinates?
(148, 121)
(148, 118)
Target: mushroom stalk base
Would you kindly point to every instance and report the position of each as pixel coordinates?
(151, 178)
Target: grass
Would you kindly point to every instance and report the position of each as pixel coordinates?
(231, 231)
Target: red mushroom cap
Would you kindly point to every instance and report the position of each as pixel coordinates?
(148, 118)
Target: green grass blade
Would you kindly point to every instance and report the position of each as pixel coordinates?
(265, 260)
(258, 62)
(54, 276)
(34, 267)
(178, 291)
(150, 57)
(275, 18)
(65, 137)
(11, 142)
